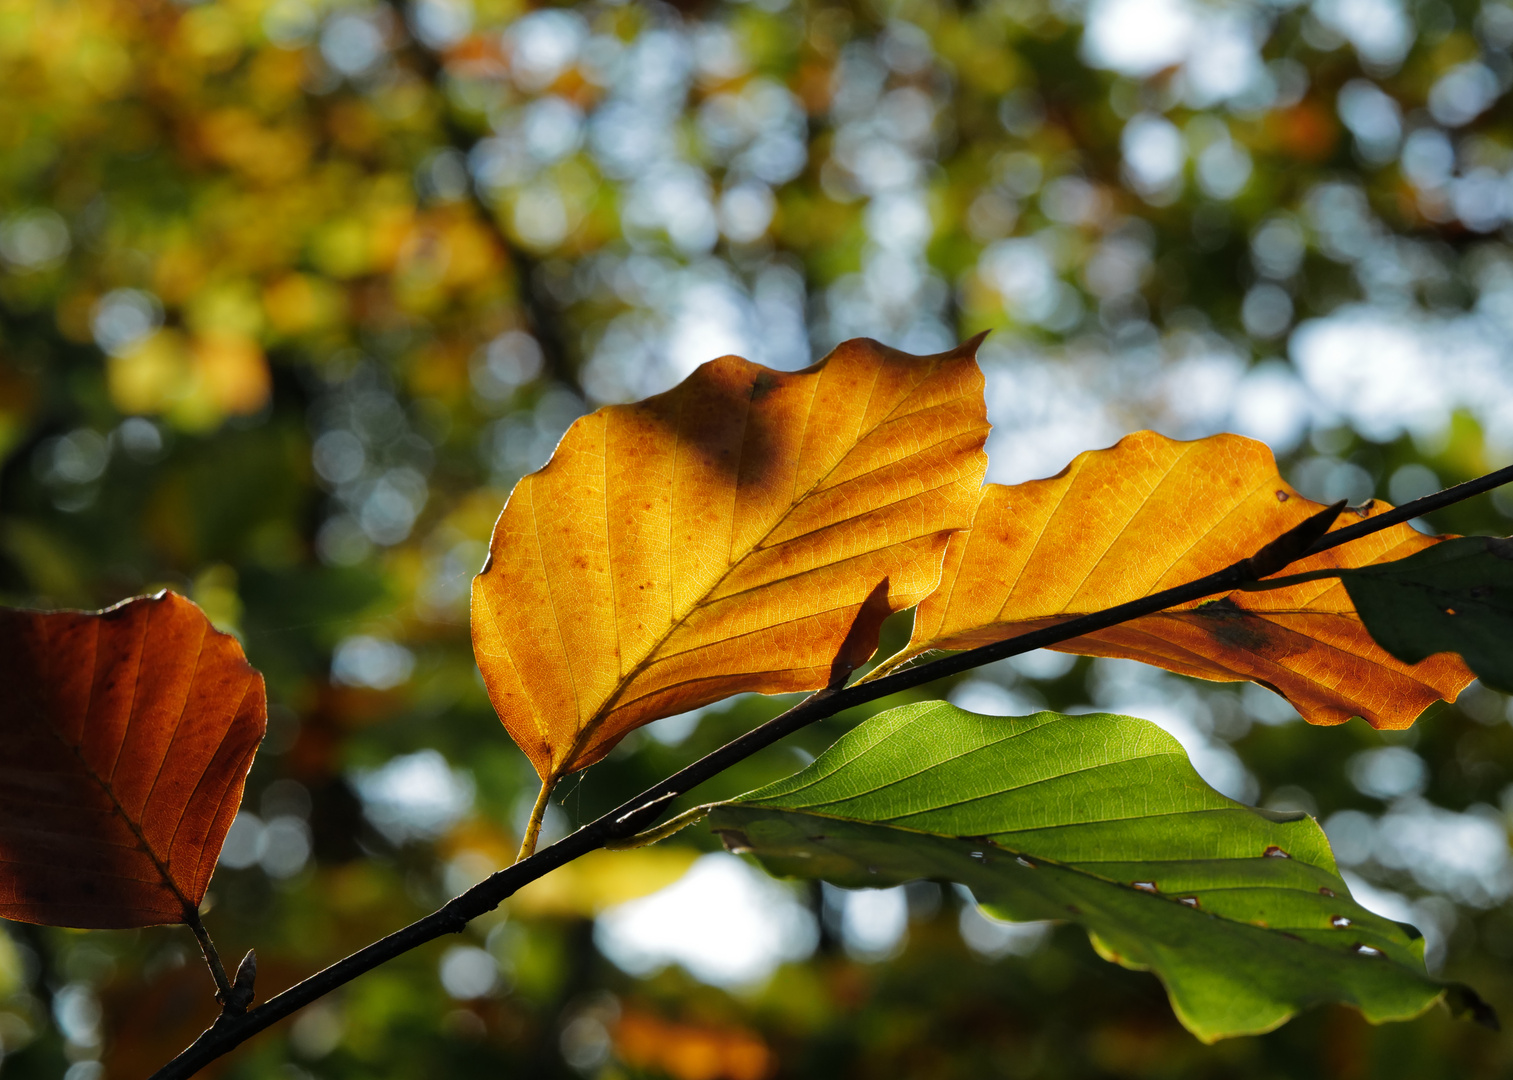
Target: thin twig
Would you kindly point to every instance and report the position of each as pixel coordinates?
(212, 958)
(1289, 580)
(635, 815)
(1417, 508)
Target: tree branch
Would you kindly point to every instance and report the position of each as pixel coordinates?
(1417, 508)
(635, 815)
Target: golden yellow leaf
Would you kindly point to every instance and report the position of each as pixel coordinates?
(748, 530)
(1150, 513)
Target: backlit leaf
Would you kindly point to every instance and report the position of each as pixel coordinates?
(748, 530)
(127, 735)
(1150, 513)
(1099, 820)
(1454, 597)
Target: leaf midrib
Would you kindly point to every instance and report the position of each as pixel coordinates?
(1078, 870)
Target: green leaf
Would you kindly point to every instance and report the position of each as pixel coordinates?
(1454, 597)
(1100, 820)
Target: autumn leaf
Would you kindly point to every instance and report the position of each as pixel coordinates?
(1150, 513)
(127, 737)
(748, 530)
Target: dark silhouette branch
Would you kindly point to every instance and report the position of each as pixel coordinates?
(631, 817)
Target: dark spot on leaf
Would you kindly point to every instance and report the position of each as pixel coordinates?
(734, 840)
(1281, 496)
(1230, 624)
(1324, 890)
(1274, 852)
(762, 385)
(1074, 909)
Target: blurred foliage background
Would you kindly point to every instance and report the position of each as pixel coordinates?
(292, 291)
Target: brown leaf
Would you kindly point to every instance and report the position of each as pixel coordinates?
(127, 736)
(747, 530)
(1150, 513)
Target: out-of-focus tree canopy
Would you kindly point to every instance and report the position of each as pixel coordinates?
(292, 292)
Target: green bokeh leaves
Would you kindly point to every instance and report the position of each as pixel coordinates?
(1101, 820)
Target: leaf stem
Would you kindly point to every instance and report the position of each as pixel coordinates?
(533, 827)
(628, 819)
(212, 958)
(659, 832)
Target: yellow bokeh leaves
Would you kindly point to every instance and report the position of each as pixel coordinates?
(589, 886)
(196, 381)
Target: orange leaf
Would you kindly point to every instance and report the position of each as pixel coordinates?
(1150, 513)
(128, 734)
(747, 530)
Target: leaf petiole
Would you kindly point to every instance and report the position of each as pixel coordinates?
(212, 958)
(533, 827)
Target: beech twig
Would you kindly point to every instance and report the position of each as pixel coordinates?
(630, 818)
